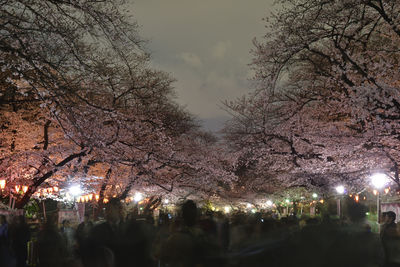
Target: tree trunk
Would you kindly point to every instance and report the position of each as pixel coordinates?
(39, 180)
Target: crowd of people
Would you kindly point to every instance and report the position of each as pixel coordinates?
(194, 239)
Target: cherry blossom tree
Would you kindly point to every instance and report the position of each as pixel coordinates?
(80, 104)
(325, 110)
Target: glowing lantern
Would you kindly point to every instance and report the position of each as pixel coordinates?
(17, 188)
(2, 184)
(55, 188)
(25, 188)
(375, 192)
(387, 190)
(97, 197)
(321, 201)
(87, 198)
(90, 197)
(357, 198)
(50, 190)
(105, 200)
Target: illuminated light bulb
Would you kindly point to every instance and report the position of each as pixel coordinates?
(364, 198)
(227, 209)
(75, 190)
(287, 200)
(375, 192)
(97, 197)
(17, 188)
(357, 198)
(105, 200)
(379, 180)
(90, 197)
(253, 211)
(340, 189)
(86, 198)
(321, 201)
(166, 201)
(25, 188)
(138, 196)
(50, 190)
(387, 190)
(248, 205)
(269, 203)
(350, 195)
(2, 184)
(314, 195)
(55, 188)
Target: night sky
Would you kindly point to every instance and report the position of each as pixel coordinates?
(205, 45)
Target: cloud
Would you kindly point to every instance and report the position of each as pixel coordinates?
(220, 49)
(191, 59)
(205, 46)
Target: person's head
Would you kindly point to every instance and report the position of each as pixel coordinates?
(189, 212)
(114, 211)
(390, 216)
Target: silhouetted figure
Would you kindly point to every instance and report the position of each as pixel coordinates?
(103, 244)
(390, 239)
(52, 249)
(189, 246)
(83, 230)
(116, 242)
(68, 233)
(5, 254)
(354, 244)
(20, 235)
